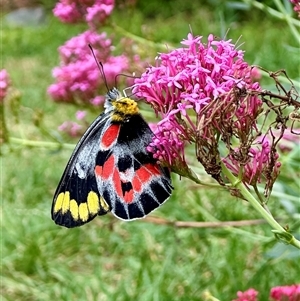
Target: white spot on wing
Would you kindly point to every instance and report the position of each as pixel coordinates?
(80, 171)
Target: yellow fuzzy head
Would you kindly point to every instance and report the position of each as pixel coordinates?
(123, 108)
(120, 107)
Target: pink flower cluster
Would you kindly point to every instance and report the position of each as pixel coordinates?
(4, 84)
(296, 4)
(200, 92)
(285, 293)
(94, 12)
(278, 293)
(249, 295)
(72, 128)
(258, 166)
(290, 140)
(78, 78)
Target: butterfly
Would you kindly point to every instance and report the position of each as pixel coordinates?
(111, 170)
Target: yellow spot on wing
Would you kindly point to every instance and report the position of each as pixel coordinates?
(93, 203)
(65, 203)
(62, 202)
(83, 212)
(74, 209)
(58, 202)
(103, 204)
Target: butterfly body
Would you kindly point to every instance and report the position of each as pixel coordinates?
(111, 169)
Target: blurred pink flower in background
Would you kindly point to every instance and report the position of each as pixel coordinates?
(67, 12)
(78, 78)
(255, 74)
(249, 295)
(71, 128)
(285, 293)
(98, 100)
(4, 84)
(278, 293)
(74, 128)
(296, 4)
(76, 49)
(98, 13)
(80, 115)
(94, 12)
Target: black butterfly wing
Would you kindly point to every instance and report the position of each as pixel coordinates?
(77, 199)
(130, 180)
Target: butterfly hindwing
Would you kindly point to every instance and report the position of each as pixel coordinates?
(128, 177)
(77, 199)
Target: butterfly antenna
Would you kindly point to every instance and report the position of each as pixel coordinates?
(125, 75)
(100, 67)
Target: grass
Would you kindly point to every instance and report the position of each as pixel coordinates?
(112, 260)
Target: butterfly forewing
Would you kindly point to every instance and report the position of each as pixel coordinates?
(77, 199)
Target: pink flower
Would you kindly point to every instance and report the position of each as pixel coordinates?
(296, 4)
(76, 49)
(4, 84)
(285, 293)
(78, 77)
(288, 141)
(201, 93)
(98, 100)
(249, 295)
(67, 13)
(98, 13)
(80, 115)
(94, 12)
(71, 128)
(255, 74)
(259, 164)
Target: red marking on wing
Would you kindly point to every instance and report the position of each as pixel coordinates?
(98, 170)
(137, 184)
(117, 183)
(108, 168)
(128, 197)
(143, 175)
(146, 171)
(110, 136)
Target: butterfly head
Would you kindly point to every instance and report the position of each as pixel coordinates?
(119, 106)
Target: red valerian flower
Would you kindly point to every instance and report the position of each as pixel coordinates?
(285, 293)
(249, 295)
(200, 93)
(77, 77)
(94, 12)
(257, 167)
(296, 4)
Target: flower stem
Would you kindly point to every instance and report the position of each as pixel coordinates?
(3, 128)
(138, 39)
(279, 231)
(271, 11)
(41, 144)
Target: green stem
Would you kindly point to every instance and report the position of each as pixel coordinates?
(138, 39)
(3, 129)
(278, 230)
(288, 19)
(188, 173)
(41, 144)
(273, 12)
